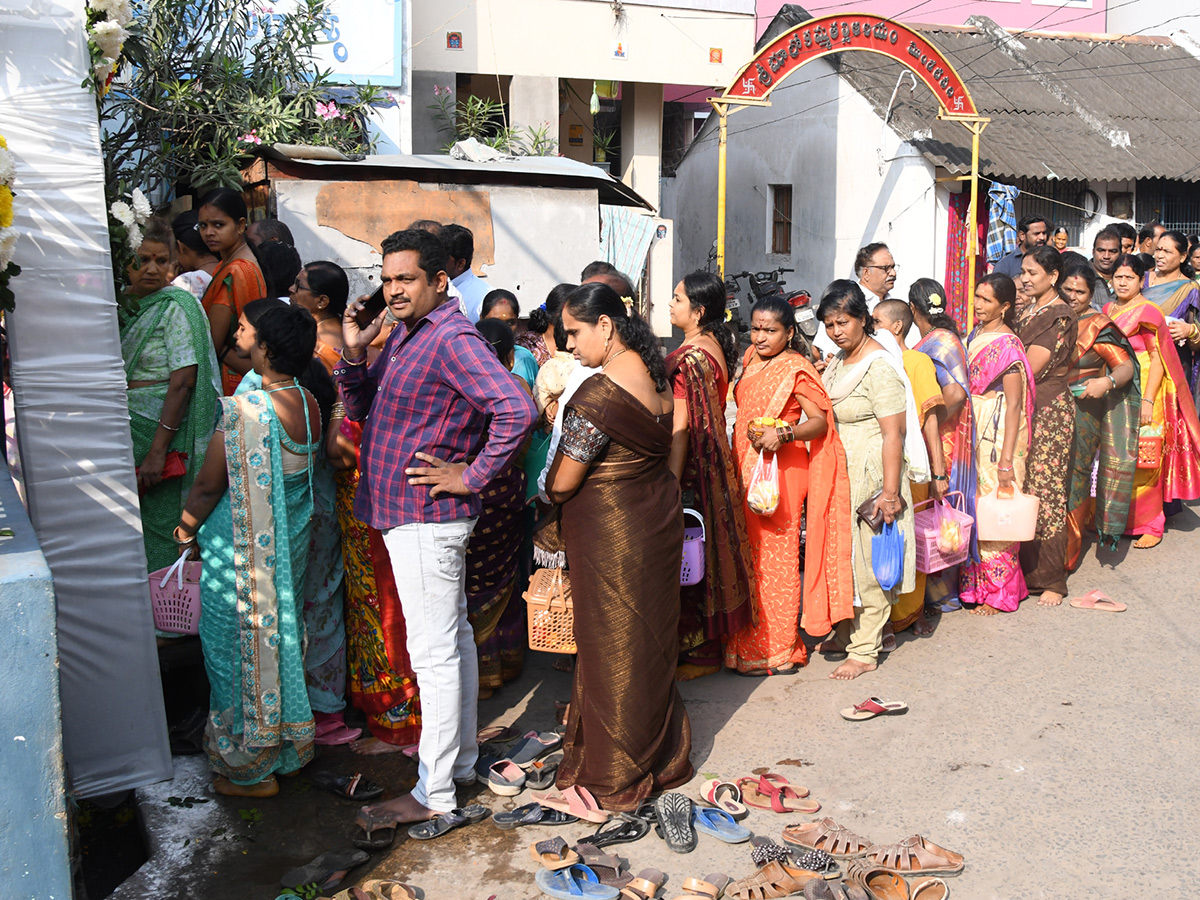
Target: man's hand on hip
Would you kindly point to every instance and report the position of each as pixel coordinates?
(443, 477)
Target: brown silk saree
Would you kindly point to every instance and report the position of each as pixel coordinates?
(628, 733)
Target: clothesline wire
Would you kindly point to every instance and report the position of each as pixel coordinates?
(1090, 212)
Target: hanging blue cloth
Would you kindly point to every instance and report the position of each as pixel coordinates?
(1002, 221)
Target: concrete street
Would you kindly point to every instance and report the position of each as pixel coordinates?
(1055, 748)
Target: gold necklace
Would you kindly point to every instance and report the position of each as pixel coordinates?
(611, 358)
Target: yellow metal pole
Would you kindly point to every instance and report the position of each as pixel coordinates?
(972, 227)
(723, 113)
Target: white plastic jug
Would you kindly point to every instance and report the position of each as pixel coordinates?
(1006, 516)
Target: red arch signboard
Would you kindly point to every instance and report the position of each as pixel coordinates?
(852, 31)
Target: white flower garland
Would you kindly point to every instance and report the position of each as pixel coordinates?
(106, 31)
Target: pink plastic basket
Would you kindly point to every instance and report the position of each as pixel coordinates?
(691, 571)
(175, 597)
(930, 557)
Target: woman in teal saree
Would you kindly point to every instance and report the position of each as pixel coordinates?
(250, 511)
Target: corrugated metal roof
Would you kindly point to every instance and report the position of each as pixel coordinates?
(1095, 107)
(540, 171)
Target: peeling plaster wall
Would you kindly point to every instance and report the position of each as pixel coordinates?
(540, 236)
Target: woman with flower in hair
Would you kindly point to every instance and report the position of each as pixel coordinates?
(172, 389)
(722, 602)
(940, 341)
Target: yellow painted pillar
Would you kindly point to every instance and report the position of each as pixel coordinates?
(722, 141)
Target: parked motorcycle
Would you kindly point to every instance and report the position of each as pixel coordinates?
(770, 284)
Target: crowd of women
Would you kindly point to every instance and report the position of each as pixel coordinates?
(244, 449)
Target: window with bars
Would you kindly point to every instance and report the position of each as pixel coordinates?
(1175, 204)
(781, 218)
(1055, 200)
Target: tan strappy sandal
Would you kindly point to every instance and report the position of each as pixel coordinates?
(828, 835)
(917, 856)
(710, 887)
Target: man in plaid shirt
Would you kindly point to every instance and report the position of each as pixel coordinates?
(427, 403)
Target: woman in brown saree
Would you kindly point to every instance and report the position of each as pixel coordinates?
(701, 458)
(627, 733)
(1048, 329)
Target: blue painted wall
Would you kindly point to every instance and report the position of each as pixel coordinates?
(34, 862)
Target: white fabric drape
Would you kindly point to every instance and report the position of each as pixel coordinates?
(72, 418)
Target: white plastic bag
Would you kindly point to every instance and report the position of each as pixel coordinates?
(762, 495)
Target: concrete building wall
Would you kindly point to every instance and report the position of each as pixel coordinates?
(1154, 17)
(1040, 15)
(540, 236)
(853, 182)
(661, 43)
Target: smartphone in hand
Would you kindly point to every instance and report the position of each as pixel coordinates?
(371, 308)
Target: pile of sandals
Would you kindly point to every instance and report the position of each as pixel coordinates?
(817, 860)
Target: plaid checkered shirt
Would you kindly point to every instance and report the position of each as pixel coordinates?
(438, 389)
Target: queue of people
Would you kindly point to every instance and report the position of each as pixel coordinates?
(370, 492)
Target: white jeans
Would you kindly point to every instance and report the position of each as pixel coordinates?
(429, 563)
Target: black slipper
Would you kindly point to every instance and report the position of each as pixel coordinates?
(447, 822)
(352, 787)
(384, 827)
(769, 670)
(625, 829)
(675, 822)
(531, 814)
(321, 869)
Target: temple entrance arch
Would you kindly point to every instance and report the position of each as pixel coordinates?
(841, 33)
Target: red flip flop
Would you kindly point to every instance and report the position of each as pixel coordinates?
(771, 791)
(872, 707)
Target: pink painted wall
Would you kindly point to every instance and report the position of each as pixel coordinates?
(1035, 15)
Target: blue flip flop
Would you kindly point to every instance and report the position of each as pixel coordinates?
(534, 746)
(577, 881)
(719, 824)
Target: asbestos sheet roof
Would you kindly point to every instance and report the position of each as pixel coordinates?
(528, 171)
(1087, 107)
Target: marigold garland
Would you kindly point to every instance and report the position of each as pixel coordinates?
(8, 235)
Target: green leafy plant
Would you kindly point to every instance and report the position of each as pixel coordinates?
(484, 120)
(602, 144)
(208, 82)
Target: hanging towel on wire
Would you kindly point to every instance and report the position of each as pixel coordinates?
(1002, 221)
(625, 238)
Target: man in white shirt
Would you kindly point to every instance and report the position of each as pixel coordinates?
(875, 269)
(461, 245)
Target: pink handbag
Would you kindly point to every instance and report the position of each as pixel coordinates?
(1006, 517)
(692, 570)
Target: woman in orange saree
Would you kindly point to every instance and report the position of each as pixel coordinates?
(1167, 407)
(235, 282)
(779, 383)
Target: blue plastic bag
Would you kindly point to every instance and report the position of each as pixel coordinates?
(887, 556)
